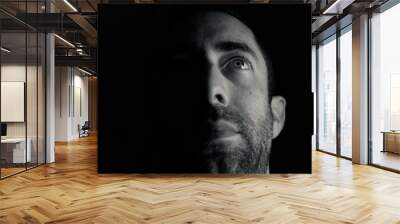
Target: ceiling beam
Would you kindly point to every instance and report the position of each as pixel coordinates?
(337, 6)
(83, 61)
(84, 24)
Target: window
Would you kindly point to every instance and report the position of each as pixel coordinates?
(346, 93)
(22, 77)
(385, 87)
(327, 95)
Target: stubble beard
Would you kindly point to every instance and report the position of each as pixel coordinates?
(250, 154)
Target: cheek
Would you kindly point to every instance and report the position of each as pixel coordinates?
(252, 94)
(252, 102)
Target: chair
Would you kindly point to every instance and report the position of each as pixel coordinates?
(84, 130)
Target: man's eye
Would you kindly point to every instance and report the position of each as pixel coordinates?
(239, 63)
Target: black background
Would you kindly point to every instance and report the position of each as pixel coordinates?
(128, 37)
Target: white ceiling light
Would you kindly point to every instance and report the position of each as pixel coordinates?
(86, 72)
(65, 41)
(5, 50)
(70, 5)
(337, 7)
(79, 51)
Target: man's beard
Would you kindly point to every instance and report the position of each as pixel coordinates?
(250, 154)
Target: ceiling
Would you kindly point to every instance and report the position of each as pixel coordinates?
(75, 21)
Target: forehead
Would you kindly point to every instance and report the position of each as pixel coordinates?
(213, 27)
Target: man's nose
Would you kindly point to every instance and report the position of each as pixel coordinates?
(218, 91)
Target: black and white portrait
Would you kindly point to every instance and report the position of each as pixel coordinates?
(204, 89)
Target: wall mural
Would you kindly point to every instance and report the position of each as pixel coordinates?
(205, 88)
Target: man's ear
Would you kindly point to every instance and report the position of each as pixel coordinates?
(278, 108)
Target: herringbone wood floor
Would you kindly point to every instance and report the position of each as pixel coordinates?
(71, 191)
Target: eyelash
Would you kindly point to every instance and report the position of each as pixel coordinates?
(238, 59)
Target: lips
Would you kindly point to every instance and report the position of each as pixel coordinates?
(221, 129)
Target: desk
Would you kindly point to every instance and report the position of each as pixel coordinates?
(391, 141)
(13, 150)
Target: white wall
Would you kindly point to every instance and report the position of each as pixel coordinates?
(71, 94)
(33, 126)
(17, 72)
(9, 73)
(81, 102)
(62, 81)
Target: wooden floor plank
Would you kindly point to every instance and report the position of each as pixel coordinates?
(71, 191)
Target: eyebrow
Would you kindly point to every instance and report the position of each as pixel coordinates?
(231, 46)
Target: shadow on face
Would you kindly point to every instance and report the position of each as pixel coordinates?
(213, 100)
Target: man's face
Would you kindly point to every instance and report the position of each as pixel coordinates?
(223, 100)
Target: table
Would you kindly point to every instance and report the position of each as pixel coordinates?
(13, 150)
(391, 141)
